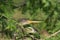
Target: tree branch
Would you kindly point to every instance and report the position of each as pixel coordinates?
(54, 34)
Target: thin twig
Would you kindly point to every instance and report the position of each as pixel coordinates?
(54, 34)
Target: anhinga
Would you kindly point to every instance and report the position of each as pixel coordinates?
(22, 22)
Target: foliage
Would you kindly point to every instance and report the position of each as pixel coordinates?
(45, 10)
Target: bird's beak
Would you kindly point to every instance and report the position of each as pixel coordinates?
(29, 21)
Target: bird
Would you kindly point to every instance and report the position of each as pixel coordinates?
(24, 21)
(27, 30)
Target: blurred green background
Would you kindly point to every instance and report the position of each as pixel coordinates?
(46, 10)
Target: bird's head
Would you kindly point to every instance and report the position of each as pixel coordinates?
(25, 21)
